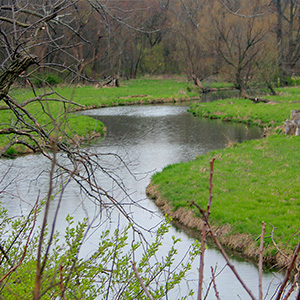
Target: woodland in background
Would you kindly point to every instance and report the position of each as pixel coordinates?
(244, 42)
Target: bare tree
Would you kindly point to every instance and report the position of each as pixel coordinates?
(239, 42)
(26, 28)
(286, 28)
(287, 33)
(194, 41)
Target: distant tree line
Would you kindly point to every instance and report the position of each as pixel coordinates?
(242, 41)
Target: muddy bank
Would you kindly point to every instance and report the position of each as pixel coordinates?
(243, 244)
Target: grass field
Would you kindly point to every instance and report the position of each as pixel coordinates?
(268, 115)
(131, 92)
(254, 181)
(143, 90)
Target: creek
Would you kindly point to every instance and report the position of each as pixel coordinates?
(147, 138)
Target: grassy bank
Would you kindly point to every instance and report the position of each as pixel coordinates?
(138, 91)
(253, 182)
(268, 115)
(143, 91)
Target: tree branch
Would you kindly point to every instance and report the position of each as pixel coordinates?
(261, 257)
(141, 281)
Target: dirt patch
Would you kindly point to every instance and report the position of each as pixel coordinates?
(238, 242)
(134, 96)
(218, 113)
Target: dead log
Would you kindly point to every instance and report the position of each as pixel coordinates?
(257, 100)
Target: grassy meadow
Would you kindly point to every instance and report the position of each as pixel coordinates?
(139, 91)
(267, 115)
(143, 90)
(254, 181)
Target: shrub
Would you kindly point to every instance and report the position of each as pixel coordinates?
(11, 152)
(47, 79)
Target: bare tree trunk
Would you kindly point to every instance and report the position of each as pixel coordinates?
(241, 86)
(279, 34)
(15, 69)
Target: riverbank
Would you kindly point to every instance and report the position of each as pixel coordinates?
(75, 128)
(253, 182)
(269, 115)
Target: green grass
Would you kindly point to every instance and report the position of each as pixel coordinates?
(131, 91)
(246, 111)
(144, 90)
(69, 126)
(218, 85)
(253, 182)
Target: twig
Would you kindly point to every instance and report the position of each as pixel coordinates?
(40, 99)
(274, 243)
(295, 283)
(261, 257)
(61, 283)
(214, 236)
(141, 281)
(41, 262)
(204, 231)
(201, 268)
(288, 273)
(214, 283)
(298, 296)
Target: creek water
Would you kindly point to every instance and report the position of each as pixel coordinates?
(147, 138)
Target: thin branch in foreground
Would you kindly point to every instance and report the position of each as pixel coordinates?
(141, 281)
(204, 233)
(288, 273)
(295, 284)
(61, 286)
(201, 268)
(205, 215)
(213, 274)
(261, 257)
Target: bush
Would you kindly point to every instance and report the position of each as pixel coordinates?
(66, 275)
(292, 81)
(11, 152)
(47, 79)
